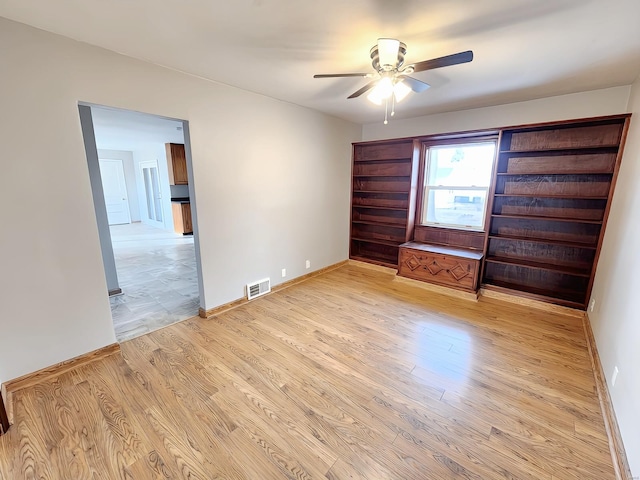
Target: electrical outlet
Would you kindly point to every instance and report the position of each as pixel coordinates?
(308, 264)
(614, 377)
(592, 304)
(284, 272)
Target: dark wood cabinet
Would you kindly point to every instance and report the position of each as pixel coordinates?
(177, 164)
(383, 199)
(182, 217)
(552, 188)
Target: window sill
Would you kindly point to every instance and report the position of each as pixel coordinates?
(451, 227)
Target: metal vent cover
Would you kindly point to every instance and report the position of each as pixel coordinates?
(258, 288)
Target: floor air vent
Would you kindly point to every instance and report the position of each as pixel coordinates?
(258, 288)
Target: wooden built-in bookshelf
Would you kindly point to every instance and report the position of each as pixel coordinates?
(383, 199)
(546, 214)
(552, 189)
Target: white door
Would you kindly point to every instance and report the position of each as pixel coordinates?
(115, 191)
(153, 196)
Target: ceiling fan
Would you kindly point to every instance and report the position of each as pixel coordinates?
(392, 80)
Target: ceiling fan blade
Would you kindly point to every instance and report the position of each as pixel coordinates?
(336, 75)
(455, 59)
(414, 84)
(367, 87)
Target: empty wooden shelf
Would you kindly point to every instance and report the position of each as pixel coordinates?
(383, 199)
(552, 189)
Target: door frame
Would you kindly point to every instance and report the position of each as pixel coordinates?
(88, 134)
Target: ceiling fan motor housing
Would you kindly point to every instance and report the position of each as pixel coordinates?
(375, 57)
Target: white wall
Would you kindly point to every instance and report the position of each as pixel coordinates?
(616, 316)
(129, 178)
(271, 183)
(608, 101)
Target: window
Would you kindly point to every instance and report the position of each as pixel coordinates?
(456, 184)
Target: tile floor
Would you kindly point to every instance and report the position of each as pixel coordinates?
(157, 274)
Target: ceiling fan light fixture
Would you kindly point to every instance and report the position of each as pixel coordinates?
(382, 91)
(400, 90)
(374, 98)
(388, 49)
(395, 82)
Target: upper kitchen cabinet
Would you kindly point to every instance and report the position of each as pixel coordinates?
(177, 162)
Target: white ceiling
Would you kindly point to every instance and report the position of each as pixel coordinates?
(117, 129)
(524, 49)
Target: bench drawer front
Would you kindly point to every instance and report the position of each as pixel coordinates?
(441, 269)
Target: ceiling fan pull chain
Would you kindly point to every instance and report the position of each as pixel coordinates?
(386, 109)
(393, 105)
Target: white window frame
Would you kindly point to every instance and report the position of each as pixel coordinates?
(426, 188)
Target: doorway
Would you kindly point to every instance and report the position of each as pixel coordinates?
(157, 269)
(152, 195)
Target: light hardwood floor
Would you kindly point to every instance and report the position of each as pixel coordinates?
(349, 375)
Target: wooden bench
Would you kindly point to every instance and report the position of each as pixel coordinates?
(452, 267)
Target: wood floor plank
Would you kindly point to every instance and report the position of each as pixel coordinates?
(105, 457)
(359, 468)
(347, 375)
(151, 467)
(65, 443)
(30, 455)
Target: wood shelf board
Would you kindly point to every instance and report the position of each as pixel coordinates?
(567, 149)
(539, 240)
(388, 243)
(376, 207)
(618, 118)
(383, 175)
(385, 160)
(447, 245)
(553, 219)
(531, 195)
(569, 298)
(546, 174)
(442, 250)
(380, 224)
(565, 270)
(382, 191)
